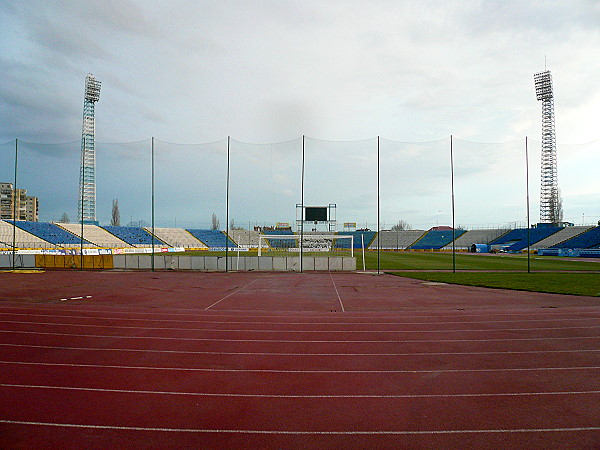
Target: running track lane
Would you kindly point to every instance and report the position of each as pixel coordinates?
(319, 380)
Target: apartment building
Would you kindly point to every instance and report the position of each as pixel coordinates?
(11, 201)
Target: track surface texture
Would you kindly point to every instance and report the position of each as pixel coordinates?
(287, 360)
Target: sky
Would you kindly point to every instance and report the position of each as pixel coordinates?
(339, 72)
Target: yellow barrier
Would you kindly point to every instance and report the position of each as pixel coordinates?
(74, 261)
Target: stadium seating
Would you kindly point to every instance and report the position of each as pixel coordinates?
(135, 236)
(561, 236)
(212, 238)
(51, 233)
(589, 239)
(465, 240)
(436, 239)
(95, 234)
(396, 240)
(516, 240)
(280, 243)
(177, 237)
(245, 238)
(22, 238)
(358, 239)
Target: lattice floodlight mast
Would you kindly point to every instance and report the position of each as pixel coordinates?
(87, 174)
(550, 208)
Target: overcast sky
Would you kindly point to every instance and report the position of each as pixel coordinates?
(272, 71)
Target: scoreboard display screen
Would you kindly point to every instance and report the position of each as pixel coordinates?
(315, 214)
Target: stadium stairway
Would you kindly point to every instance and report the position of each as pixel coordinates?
(98, 236)
(213, 238)
(436, 239)
(177, 237)
(589, 239)
(516, 240)
(134, 236)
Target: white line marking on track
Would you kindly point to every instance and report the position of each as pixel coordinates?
(207, 369)
(283, 330)
(71, 298)
(229, 295)
(298, 432)
(300, 341)
(194, 352)
(337, 293)
(218, 394)
(349, 323)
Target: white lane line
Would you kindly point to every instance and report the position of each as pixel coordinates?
(283, 330)
(300, 341)
(195, 352)
(213, 314)
(299, 432)
(70, 298)
(223, 394)
(348, 323)
(229, 295)
(210, 369)
(337, 293)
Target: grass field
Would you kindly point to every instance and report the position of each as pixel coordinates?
(557, 283)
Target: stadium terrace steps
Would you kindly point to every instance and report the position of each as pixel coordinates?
(464, 241)
(245, 238)
(436, 239)
(397, 240)
(212, 238)
(587, 239)
(22, 238)
(280, 243)
(95, 234)
(51, 233)
(563, 235)
(177, 237)
(516, 240)
(134, 236)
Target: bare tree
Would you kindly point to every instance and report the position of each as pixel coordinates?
(215, 222)
(115, 221)
(64, 218)
(401, 225)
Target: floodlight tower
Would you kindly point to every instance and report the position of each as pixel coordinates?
(550, 204)
(87, 174)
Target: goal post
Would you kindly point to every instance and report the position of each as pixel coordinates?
(310, 242)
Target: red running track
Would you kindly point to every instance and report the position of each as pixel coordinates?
(115, 359)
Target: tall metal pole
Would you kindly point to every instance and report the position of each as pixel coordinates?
(302, 210)
(82, 214)
(14, 254)
(227, 210)
(528, 220)
(378, 211)
(453, 230)
(152, 198)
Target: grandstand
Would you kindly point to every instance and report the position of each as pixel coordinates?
(358, 239)
(245, 238)
(397, 240)
(98, 236)
(280, 243)
(465, 240)
(134, 236)
(22, 238)
(436, 239)
(561, 236)
(589, 239)
(177, 237)
(212, 238)
(516, 240)
(50, 233)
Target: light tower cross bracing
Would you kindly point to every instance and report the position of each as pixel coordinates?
(550, 204)
(87, 174)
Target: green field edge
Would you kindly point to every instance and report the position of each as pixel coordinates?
(564, 283)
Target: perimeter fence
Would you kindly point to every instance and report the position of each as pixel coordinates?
(373, 183)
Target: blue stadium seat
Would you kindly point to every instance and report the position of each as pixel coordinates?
(358, 239)
(589, 239)
(133, 235)
(517, 238)
(436, 239)
(49, 232)
(281, 243)
(212, 238)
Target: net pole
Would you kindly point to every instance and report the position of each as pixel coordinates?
(378, 212)
(152, 198)
(14, 254)
(528, 220)
(227, 210)
(302, 210)
(352, 246)
(362, 238)
(82, 206)
(453, 214)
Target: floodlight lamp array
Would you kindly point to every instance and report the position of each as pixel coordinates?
(92, 88)
(543, 85)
